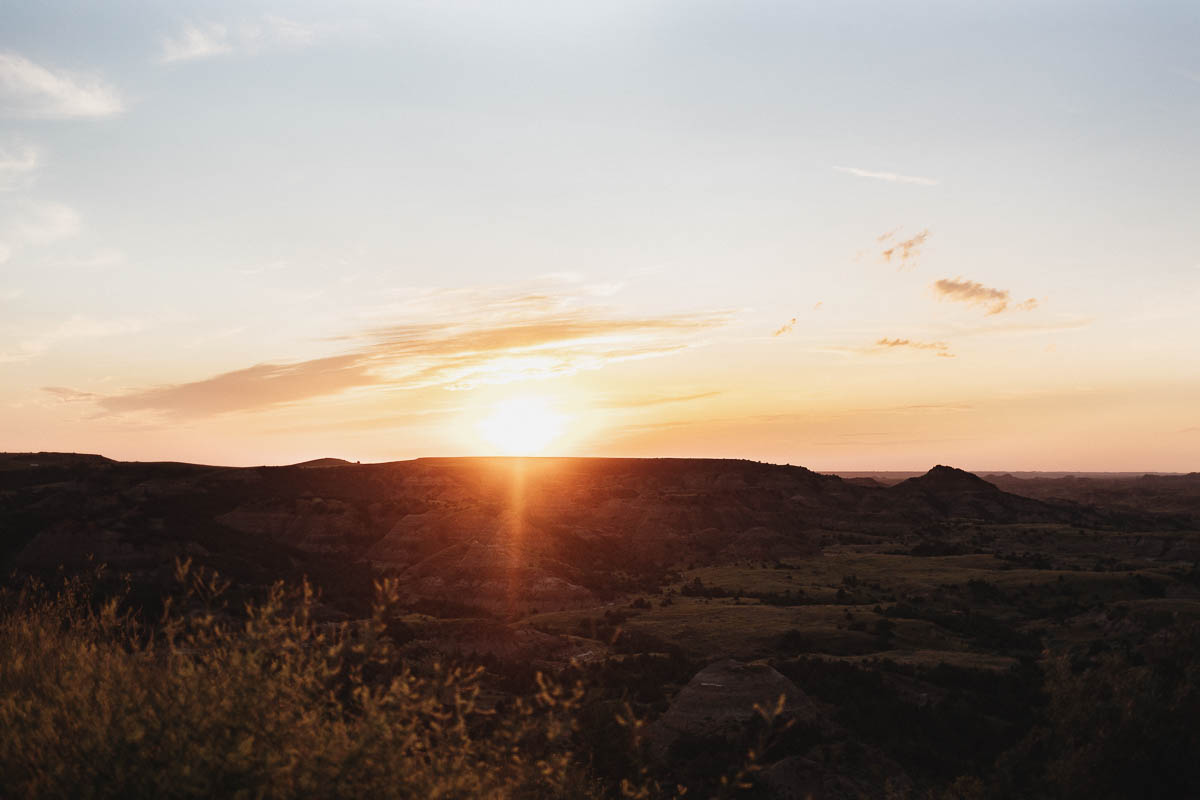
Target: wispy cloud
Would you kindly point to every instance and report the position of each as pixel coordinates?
(255, 387)
(75, 327)
(18, 163)
(29, 90)
(904, 251)
(209, 39)
(43, 223)
(790, 325)
(785, 328)
(940, 348)
(1008, 327)
(276, 30)
(35, 224)
(528, 336)
(397, 419)
(657, 400)
(196, 41)
(65, 394)
(921, 408)
(97, 261)
(996, 301)
(888, 176)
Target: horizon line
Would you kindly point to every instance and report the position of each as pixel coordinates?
(838, 471)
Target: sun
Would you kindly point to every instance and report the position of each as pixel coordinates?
(522, 426)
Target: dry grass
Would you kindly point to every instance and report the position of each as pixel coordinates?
(264, 704)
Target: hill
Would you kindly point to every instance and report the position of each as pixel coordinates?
(323, 462)
(915, 620)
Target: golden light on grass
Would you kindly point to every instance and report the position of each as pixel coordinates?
(522, 426)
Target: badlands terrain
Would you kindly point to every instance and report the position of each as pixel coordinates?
(926, 631)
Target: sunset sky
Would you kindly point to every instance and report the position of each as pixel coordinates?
(844, 235)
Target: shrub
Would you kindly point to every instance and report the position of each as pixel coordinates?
(262, 703)
(1120, 725)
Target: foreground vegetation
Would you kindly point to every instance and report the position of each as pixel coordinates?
(265, 703)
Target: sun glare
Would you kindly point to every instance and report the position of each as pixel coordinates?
(522, 426)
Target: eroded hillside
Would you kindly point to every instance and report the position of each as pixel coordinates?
(931, 602)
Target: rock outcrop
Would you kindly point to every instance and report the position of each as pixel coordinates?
(723, 701)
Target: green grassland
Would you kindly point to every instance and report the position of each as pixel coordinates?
(856, 602)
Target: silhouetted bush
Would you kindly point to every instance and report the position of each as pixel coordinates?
(263, 702)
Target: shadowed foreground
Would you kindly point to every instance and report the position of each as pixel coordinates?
(94, 703)
(931, 639)
(266, 703)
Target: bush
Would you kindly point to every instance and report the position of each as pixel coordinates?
(1120, 725)
(265, 703)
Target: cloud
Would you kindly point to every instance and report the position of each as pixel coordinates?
(207, 40)
(399, 419)
(787, 327)
(558, 343)
(605, 289)
(1061, 323)
(925, 407)
(522, 337)
(942, 348)
(97, 261)
(29, 90)
(272, 29)
(76, 327)
(489, 303)
(196, 41)
(259, 386)
(66, 394)
(657, 400)
(35, 224)
(18, 162)
(995, 301)
(42, 224)
(885, 342)
(790, 325)
(904, 251)
(888, 176)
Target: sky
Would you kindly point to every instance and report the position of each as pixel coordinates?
(851, 236)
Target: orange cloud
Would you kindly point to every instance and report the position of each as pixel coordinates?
(786, 327)
(657, 400)
(904, 251)
(516, 338)
(996, 301)
(256, 387)
(942, 348)
(69, 395)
